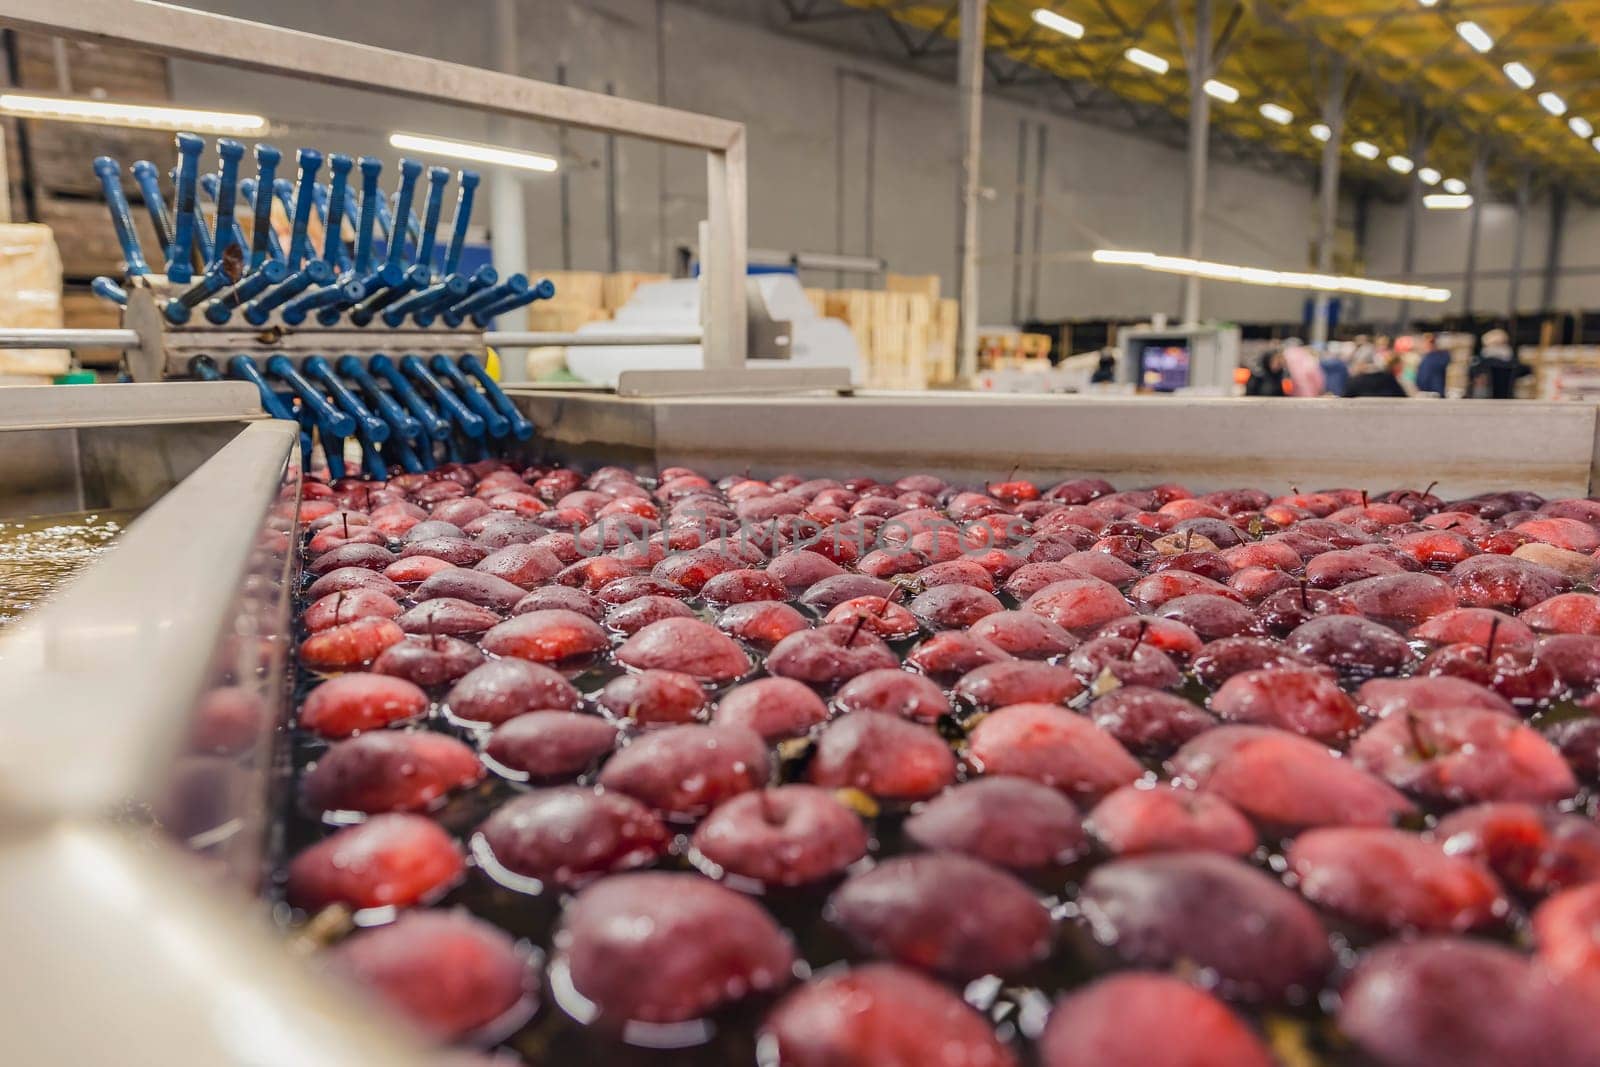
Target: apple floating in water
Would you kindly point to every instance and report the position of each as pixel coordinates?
(1140, 688)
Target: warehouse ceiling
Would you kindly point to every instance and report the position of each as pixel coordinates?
(1415, 83)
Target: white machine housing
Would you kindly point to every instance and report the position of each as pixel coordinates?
(1211, 353)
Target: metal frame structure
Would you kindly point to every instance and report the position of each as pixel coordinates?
(120, 926)
(184, 33)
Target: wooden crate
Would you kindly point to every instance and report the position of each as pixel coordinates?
(942, 355)
(561, 317)
(87, 242)
(925, 284)
(581, 287)
(56, 165)
(907, 340)
(82, 310)
(89, 69)
(617, 289)
(60, 156)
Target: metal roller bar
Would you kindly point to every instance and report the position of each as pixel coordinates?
(183, 32)
(244, 339)
(71, 339)
(542, 338)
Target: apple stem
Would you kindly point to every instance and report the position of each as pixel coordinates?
(1188, 538)
(1364, 502)
(1305, 600)
(1494, 630)
(861, 620)
(1138, 638)
(338, 603)
(345, 516)
(1429, 490)
(1414, 728)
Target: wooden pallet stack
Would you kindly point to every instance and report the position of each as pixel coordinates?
(47, 164)
(1561, 372)
(1014, 350)
(584, 296)
(906, 333)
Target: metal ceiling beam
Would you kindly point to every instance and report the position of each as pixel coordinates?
(1413, 86)
(1417, 12)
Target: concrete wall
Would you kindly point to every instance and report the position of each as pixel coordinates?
(845, 155)
(1441, 255)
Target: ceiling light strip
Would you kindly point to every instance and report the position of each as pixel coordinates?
(1225, 272)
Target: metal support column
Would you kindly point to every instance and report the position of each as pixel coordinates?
(1328, 194)
(974, 19)
(1019, 206)
(1408, 247)
(1038, 222)
(1199, 152)
(508, 218)
(1518, 240)
(1552, 254)
(1480, 190)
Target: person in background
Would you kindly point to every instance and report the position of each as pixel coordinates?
(1267, 378)
(1497, 368)
(1304, 369)
(1435, 363)
(1335, 372)
(1106, 369)
(1376, 378)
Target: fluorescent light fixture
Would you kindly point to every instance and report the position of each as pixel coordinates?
(1427, 3)
(142, 116)
(1475, 35)
(1221, 91)
(1581, 126)
(1400, 164)
(1428, 176)
(1321, 131)
(1596, 143)
(1366, 150)
(1455, 186)
(1277, 113)
(1552, 103)
(1227, 272)
(1060, 23)
(1148, 60)
(1520, 75)
(1447, 201)
(478, 153)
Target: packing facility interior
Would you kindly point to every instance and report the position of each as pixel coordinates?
(800, 532)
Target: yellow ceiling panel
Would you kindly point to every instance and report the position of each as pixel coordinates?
(1414, 74)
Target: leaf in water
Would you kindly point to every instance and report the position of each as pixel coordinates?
(324, 928)
(233, 263)
(1288, 1039)
(1105, 683)
(857, 801)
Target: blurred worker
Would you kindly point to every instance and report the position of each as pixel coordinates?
(1304, 369)
(1335, 371)
(1106, 370)
(1431, 370)
(1267, 378)
(1497, 368)
(1376, 378)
